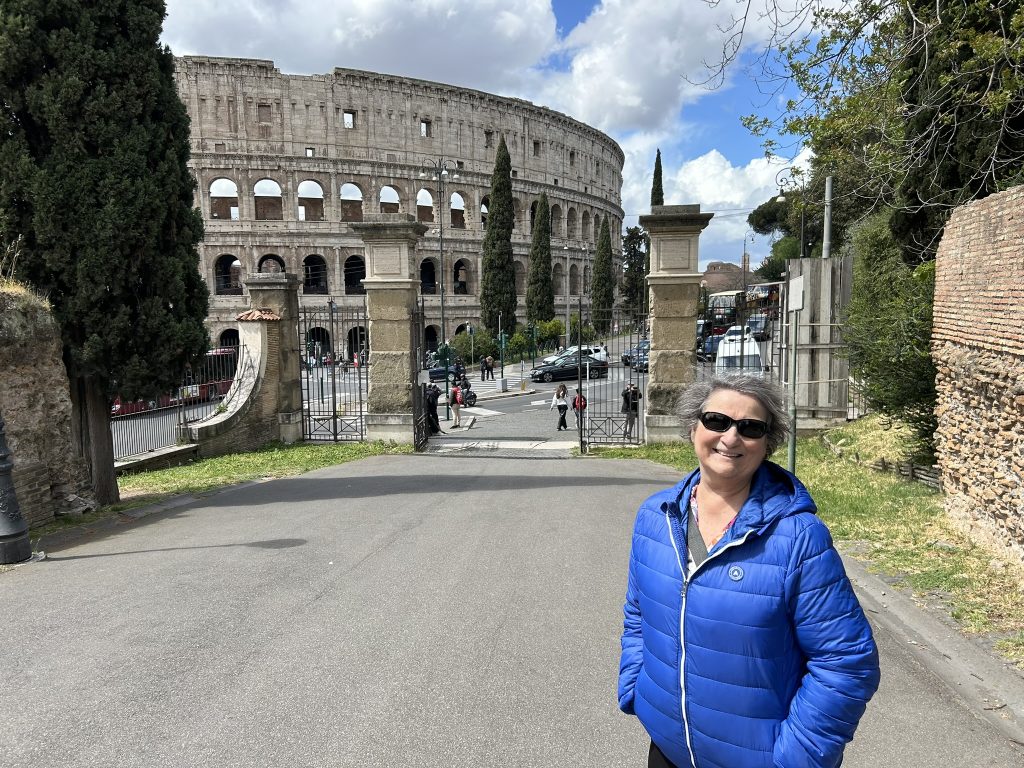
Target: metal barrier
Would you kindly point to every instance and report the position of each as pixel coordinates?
(150, 423)
(619, 387)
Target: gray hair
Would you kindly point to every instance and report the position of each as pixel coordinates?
(765, 391)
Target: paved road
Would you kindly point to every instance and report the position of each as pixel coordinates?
(416, 611)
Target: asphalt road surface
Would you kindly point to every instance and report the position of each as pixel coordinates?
(400, 611)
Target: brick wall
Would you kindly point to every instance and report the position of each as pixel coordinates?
(978, 348)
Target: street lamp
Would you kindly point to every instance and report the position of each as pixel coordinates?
(565, 291)
(789, 178)
(784, 179)
(438, 170)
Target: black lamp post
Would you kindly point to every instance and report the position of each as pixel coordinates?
(438, 170)
(15, 546)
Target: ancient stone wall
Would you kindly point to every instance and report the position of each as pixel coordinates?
(978, 348)
(36, 407)
(328, 146)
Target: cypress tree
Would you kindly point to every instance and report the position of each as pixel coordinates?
(540, 293)
(602, 292)
(498, 283)
(634, 258)
(657, 193)
(94, 144)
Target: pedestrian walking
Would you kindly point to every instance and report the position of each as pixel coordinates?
(490, 367)
(433, 423)
(631, 397)
(558, 400)
(483, 368)
(579, 405)
(743, 642)
(455, 401)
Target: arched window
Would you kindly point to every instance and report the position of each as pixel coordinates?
(355, 273)
(586, 226)
(428, 277)
(460, 273)
(570, 224)
(458, 208)
(424, 206)
(271, 263)
(558, 279)
(228, 338)
(268, 200)
(318, 346)
(597, 227)
(517, 211)
(556, 221)
(311, 201)
(351, 203)
(430, 336)
(224, 200)
(358, 345)
(227, 271)
(586, 279)
(574, 280)
(390, 202)
(314, 275)
(520, 276)
(484, 204)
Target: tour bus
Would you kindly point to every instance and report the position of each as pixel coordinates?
(721, 310)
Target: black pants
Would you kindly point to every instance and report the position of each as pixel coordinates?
(562, 409)
(655, 759)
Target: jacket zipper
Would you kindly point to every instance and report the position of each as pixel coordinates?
(687, 578)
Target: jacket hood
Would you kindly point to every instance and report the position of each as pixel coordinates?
(775, 493)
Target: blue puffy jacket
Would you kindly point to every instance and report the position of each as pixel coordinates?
(764, 658)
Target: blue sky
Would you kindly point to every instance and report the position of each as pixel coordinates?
(626, 67)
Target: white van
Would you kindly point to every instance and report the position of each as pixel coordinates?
(738, 353)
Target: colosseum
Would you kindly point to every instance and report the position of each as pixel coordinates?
(284, 163)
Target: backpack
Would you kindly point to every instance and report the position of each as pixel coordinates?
(457, 395)
(580, 403)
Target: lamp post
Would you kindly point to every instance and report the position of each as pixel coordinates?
(438, 170)
(15, 546)
(784, 179)
(789, 178)
(565, 290)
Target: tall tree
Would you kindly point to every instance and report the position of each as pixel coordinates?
(634, 269)
(657, 193)
(94, 143)
(498, 284)
(602, 292)
(540, 293)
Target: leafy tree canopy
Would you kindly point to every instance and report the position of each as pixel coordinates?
(634, 268)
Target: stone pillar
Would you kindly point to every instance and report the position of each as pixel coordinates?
(391, 286)
(674, 284)
(279, 293)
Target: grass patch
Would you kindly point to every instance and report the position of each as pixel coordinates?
(271, 461)
(873, 437)
(898, 528)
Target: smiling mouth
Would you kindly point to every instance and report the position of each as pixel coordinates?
(728, 454)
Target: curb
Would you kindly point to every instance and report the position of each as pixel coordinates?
(991, 687)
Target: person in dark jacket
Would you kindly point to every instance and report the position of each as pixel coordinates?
(743, 642)
(631, 397)
(433, 395)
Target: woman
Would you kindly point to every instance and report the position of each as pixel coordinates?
(760, 655)
(560, 401)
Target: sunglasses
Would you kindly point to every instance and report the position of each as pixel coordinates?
(719, 422)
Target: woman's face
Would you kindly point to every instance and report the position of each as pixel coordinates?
(728, 456)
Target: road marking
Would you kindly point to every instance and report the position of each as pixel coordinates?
(478, 411)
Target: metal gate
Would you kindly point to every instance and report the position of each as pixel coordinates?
(624, 336)
(334, 345)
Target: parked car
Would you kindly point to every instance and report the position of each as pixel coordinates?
(758, 325)
(587, 350)
(736, 354)
(642, 348)
(710, 347)
(566, 368)
(640, 362)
